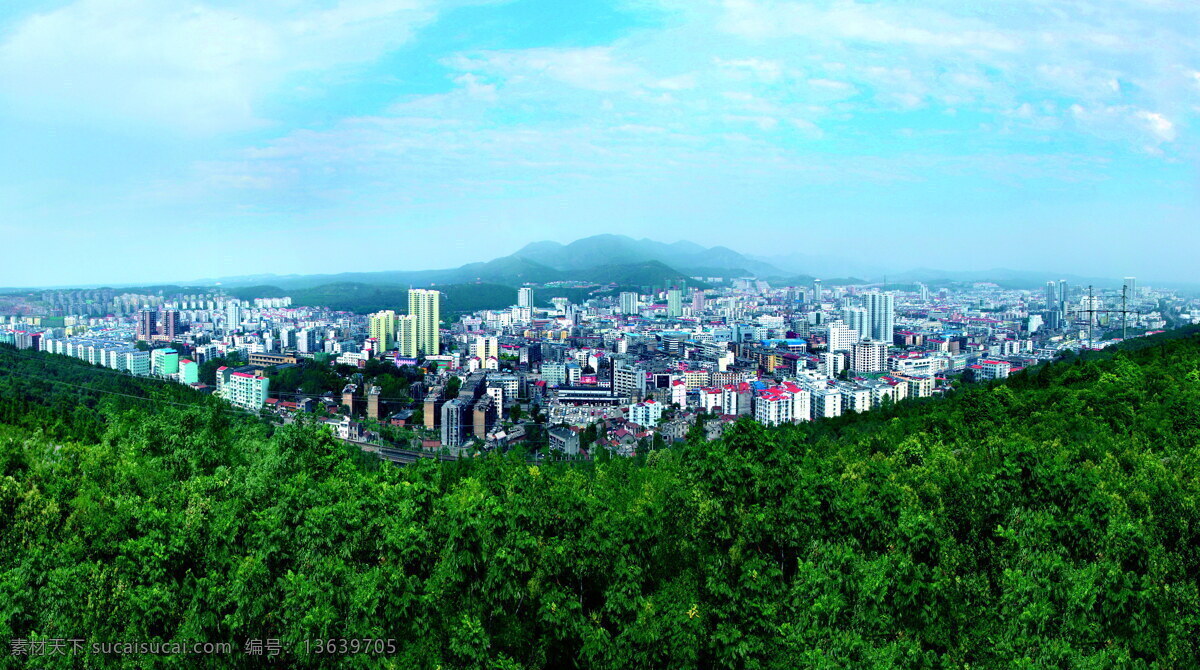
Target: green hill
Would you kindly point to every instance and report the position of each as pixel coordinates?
(1050, 521)
(366, 298)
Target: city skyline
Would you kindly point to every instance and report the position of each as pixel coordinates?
(148, 141)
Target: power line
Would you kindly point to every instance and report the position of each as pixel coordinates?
(118, 393)
(98, 368)
(15, 354)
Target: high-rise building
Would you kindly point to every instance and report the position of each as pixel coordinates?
(307, 341)
(233, 315)
(1130, 288)
(674, 303)
(856, 319)
(425, 305)
(485, 347)
(629, 302)
(147, 324)
(881, 316)
(842, 337)
(1063, 294)
(454, 414)
(287, 338)
(406, 335)
(525, 297)
(868, 357)
(169, 326)
(1051, 295)
(816, 291)
(382, 327)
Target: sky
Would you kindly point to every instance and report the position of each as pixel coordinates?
(171, 140)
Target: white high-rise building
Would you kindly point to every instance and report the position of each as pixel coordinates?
(1131, 288)
(856, 318)
(868, 357)
(842, 337)
(307, 341)
(881, 317)
(425, 305)
(406, 335)
(525, 297)
(233, 315)
(674, 303)
(629, 302)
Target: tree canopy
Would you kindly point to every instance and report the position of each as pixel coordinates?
(1047, 521)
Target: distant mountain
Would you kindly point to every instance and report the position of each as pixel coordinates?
(649, 273)
(604, 259)
(619, 259)
(683, 256)
(822, 265)
(1018, 279)
(509, 270)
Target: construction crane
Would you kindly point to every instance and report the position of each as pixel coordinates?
(1091, 311)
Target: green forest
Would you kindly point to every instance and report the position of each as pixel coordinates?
(1047, 521)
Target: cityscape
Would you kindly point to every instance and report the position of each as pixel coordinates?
(613, 370)
(605, 335)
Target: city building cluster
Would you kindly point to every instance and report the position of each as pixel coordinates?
(614, 370)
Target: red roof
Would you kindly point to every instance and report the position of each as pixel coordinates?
(247, 375)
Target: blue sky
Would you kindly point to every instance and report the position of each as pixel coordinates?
(167, 140)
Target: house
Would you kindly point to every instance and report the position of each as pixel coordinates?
(564, 439)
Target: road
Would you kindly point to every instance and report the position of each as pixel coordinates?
(400, 455)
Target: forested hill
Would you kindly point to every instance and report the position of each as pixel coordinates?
(1048, 522)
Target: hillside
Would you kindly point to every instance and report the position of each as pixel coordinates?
(1050, 521)
(366, 298)
(603, 259)
(683, 256)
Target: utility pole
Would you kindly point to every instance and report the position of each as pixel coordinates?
(1091, 311)
(1124, 311)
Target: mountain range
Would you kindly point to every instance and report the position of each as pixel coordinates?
(602, 259)
(624, 261)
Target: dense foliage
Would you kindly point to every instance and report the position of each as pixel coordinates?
(1050, 521)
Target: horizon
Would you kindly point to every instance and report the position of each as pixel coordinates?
(151, 143)
(864, 278)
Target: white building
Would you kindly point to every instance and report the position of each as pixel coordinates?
(842, 337)
(629, 302)
(772, 408)
(645, 414)
(868, 357)
(826, 403)
(242, 388)
(881, 316)
(525, 297)
(137, 363)
(856, 318)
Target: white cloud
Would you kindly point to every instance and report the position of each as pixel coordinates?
(763, 70)
(589, 68)
(1159, 125)
(198, 66)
